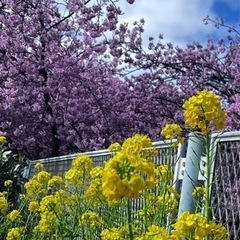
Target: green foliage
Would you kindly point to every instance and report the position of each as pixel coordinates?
(11, 168)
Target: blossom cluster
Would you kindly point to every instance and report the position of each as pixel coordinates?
(127, 173)
(203, 111)
(195, 226)
(173, 131)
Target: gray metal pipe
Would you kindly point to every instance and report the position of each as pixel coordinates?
(195, 150)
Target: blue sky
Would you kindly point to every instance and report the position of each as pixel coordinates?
(181, 21)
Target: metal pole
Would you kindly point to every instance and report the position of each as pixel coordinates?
(190, 178)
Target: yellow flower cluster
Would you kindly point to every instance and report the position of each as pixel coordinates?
(198, 192)
(43, 177)
(93, 195)
(163, 173)
(91, 219)
(173, 131)
(82, 163)
(167, 202)
(195, 226)
(163, 202)
(54, 182)
(8, 183)
(3, 140)
(112, 234)
(34, 188)
(14, 216)
(33, 206)
(39, 167)
(14, 234)
(51, 208)
(81, 166)
(3, 203)
(203, 111)
(115, 147)
(127, 172)
(135, 144)
(139, 144)
(154, 233)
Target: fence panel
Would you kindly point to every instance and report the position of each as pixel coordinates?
(59, 165)
(225, 195)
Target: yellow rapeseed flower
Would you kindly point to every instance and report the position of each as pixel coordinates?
(8, 183)
(167, 202)
(3, 203)
(46, 225)
(172, 131)
(39, 166)
(113, 233)
(198, 192)
(114, 147)
(33, 188)
(93, 195)
(123, 179)
(96, 172)
(157, 232)
(154, 233)
(127, 173)
(55, 181)
(203, 111)
(14, 234)
(82, 163)
(33, 206)
(163, 173)
(195, 226)
(49, 203)
(43, 177)
(14, 216)
(74, 176)
(3, 140)
(136, 144)
(91, 219)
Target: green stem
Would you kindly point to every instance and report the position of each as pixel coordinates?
(145, 210)
(170, 151)
(208, 183)
(129, 217)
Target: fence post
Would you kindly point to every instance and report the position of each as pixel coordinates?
(195, 150)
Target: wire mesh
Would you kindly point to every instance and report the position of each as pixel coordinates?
(225, 199)
(59, 165)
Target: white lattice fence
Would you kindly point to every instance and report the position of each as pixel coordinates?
(225, 196)
(59, 165)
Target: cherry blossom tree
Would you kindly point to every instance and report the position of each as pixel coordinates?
(174, 74)
(59, 71)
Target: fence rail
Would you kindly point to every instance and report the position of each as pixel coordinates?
(59, 165)
(225, 196)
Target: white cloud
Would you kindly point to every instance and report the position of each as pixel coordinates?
(180, 21)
